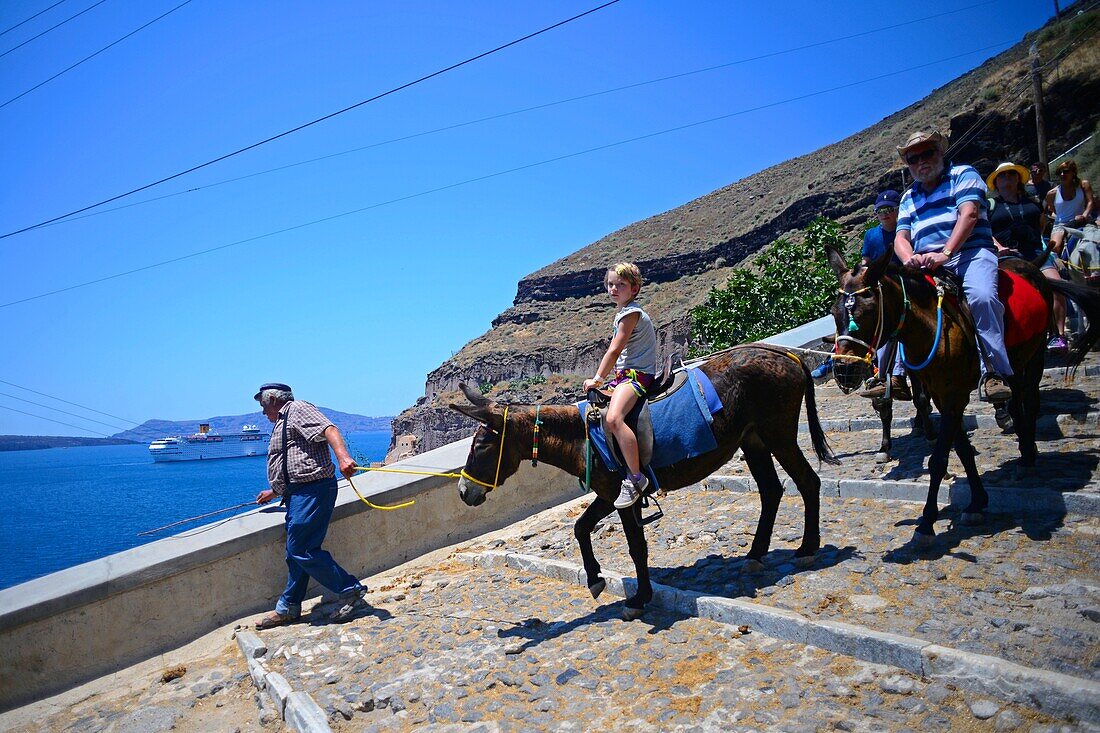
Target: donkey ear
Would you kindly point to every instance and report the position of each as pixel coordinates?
(480, 413)
(836, 261)
(473, 395)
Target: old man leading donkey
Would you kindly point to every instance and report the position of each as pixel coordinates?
(880, 301)
(761, 390)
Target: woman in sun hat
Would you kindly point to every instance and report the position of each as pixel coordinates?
(1017, 221)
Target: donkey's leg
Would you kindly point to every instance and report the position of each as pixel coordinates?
(922, 402)
(794, 462)
(639, 553)
(950, 425)
(979, 499)
(596, 512)
(1026, 395)
(885, 410)
(759, 460)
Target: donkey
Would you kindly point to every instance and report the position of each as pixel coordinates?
(761, 389)
(879, 299)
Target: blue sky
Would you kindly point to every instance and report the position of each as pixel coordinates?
(355, 311)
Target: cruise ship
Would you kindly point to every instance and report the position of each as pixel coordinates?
(208, 444)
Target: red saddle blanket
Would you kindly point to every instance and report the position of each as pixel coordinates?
(1026, 313)
(1025, 310)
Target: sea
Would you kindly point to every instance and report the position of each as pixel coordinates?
(67, 506)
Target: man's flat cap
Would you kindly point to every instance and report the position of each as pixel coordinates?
(272, 385)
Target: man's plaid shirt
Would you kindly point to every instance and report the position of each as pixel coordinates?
(307, 453)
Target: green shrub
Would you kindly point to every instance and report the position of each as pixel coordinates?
(795, 285)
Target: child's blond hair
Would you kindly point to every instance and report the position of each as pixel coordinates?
(627, 271)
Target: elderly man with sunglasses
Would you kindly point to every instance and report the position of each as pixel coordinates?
(942, 222)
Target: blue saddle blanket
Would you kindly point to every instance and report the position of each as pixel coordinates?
(681, 424)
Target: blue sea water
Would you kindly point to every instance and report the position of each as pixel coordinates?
(66, 506)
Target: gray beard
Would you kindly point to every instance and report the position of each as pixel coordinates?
(933, 176)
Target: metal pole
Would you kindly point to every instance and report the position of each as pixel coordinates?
(1037, 91)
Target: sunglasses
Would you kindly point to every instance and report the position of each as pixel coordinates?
(1065, 173)
(884, 210)
(921, 156)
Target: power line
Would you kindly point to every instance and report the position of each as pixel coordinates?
(49, 419)
(493, 175)
(52, 27)
(545, 105)
(136, 429)
(92, 56)
(64, 412)
(1010, 97)
(307, 124)
(67, 402)
(28, 20)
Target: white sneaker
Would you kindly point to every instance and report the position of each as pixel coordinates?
(630, 492)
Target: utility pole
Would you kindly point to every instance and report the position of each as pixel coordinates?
(1057, 10)
(1037, 91)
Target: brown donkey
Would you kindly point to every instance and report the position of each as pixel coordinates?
(880, 300)
(761, 388)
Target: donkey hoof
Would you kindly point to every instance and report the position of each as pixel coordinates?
(752, 566)
(597, 588)
(632, 614)
(882, 457)
(923, 541)
(804, 562)
(971, 519)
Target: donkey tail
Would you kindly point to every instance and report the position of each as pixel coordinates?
(1088, 300)
(817, 435)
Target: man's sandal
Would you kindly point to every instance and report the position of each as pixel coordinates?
(274, 619)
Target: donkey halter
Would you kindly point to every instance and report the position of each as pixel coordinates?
(849, 304)
(500, 455)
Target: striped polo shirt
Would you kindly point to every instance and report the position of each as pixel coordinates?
(929, 217)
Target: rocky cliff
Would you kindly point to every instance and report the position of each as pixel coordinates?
(554, 334)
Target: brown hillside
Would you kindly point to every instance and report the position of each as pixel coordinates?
(554, 334)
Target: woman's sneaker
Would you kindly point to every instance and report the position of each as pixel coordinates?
(1058, 343)
(630, 492)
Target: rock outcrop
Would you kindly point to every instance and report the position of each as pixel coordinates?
(558, 326)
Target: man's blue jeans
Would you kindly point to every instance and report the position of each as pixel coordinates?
(308, 511)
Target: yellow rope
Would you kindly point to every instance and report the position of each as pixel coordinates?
(372, 505)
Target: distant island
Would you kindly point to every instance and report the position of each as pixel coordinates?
(41, 442)
(153, 429)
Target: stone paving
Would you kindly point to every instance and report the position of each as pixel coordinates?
(450, 646)
(1069, 427)
(515, 651)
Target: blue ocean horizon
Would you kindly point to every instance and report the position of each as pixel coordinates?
(67, 506)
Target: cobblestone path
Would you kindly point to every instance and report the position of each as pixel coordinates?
(463, 646)
(450, 646)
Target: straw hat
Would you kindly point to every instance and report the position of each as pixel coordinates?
(919, 138)
(1022, 172)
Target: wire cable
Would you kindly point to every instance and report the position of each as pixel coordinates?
(88, 58)
(307, 124)
(1011, 96)
(34, 38)
(49, 419)
(28, 20)
(545, 105)
(137, 428)
(492, 175)
(64, 412)
(67, 402)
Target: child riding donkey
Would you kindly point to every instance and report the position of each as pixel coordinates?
(633, 354)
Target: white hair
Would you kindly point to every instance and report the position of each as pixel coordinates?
(269, 396)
